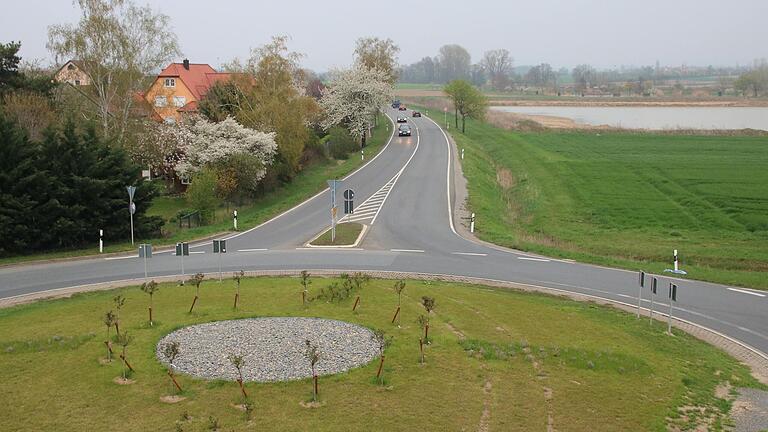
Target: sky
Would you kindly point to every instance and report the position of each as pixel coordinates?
(603, 33)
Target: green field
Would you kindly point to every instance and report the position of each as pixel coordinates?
(307, 183)
(506, 359)
(625, 200)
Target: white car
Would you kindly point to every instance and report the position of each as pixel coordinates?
(402, 119)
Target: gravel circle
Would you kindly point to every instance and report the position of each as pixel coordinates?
(273, 348)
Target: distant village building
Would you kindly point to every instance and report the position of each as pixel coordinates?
(180, 87)
(73, 74)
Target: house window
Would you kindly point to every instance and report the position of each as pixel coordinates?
(77, 82)
(161, 101)
(179, 101)
(170, 82)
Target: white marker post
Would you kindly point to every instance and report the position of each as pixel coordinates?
(362, 155)
(676, 266)
(641, 284)
(672, 298)
(101, 241)
(472, 223)
(234, 218)
(654, 283)
(462, 154)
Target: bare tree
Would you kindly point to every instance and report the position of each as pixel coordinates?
(398, 287)
(116, 44)
(109, 321)
(381, 54)
(454, 62)
(497, 64)
(238, 362)
(119, 301)
(196, 280)
(382, 341)
(236, 276)
(313, 356)
(150, 288)
(171, 350)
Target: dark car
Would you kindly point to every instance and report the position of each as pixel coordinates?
(402, 108)
(416, 114)
(404, 130)
(402, 120)
(396, 103)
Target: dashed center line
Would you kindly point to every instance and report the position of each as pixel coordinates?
(121, 257)
(252, 250)
(470, 253)
(533, 259)
(197, 252)
(407, 250)
(746, 292)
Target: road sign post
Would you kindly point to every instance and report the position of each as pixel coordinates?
(220, 247)
(182, 250)
(145, 251)
(131, 206)
(332, 184)
(641, 284)
(349, 207)
(672, 298)
(654, 283)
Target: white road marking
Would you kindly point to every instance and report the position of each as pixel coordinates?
(407, 250)
(533, 259)
(746, 292)
(251, 250)
(197, 252)
(329, 248)
(470, 253)
(121, 257)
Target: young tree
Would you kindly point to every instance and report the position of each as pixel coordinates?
(313, 356)
(381, 54)
(352, 99)
(382, 341)
(109, 321)
(239, 362)
(429, 306)
(196, 280)
(124, 340)
(305, 282)
(237, 276)
(467, 100)
(399, 286)
(171, 350)
(119, 301)
(150, 288)
(116, 44)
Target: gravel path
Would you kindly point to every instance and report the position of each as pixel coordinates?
(273, 348)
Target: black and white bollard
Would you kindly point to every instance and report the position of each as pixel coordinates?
(101, 241)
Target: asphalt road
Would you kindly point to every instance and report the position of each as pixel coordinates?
(408, 193)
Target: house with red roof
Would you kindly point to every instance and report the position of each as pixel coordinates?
(180, 87)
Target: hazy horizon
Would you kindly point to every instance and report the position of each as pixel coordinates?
(605, 34)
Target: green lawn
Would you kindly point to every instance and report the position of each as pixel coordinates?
(346, 234)
(307, 183)
(522, 358)
(625, 200)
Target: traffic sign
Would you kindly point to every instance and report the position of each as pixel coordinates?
(219, 246)
(145, 250)
(182, 249)
(132, 208)
(131, 191)
(349, 206)
(349, 194)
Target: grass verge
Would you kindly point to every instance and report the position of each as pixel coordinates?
(346, 234)
(307, 183)
(506, 359)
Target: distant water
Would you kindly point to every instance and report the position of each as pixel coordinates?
(654, 117)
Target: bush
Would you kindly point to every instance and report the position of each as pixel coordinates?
(201, 194)
(340, 143)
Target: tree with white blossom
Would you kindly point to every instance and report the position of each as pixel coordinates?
(353, 98)
(209, 143)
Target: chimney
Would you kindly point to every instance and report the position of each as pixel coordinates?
(186, 64)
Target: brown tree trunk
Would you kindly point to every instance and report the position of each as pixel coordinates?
(315, 390)
(426, 333)
(173, 378)
(381, 365)
(122, 356)
(237, 296)
(357, 301)
(421, 349)
(193, 304)
(150, 316)
(109, 349)
(242, 388)
(117, 328)
(397, 312)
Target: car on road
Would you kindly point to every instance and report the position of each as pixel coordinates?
(402, 108)
(404, 130)
(415, 114)
(402, 119)
(396, 103)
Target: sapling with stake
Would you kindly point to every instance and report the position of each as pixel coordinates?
(239, 362)
(109, 321)
(150, 288)
(423, 321)
(196, 280)
(119, 301)
(398, 287)
(429, 305)
(305, 282)
(313, 355)
(124, 340)
(382, 341)
(171, 350)
(236, 277)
